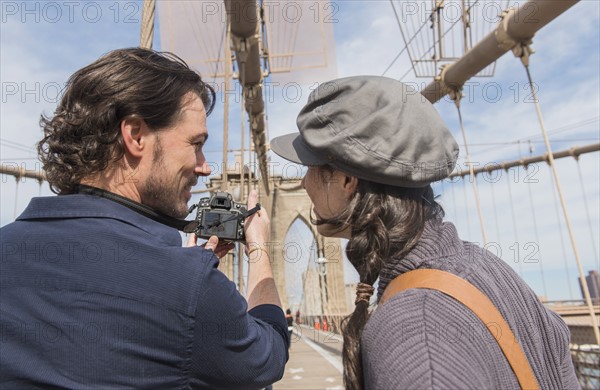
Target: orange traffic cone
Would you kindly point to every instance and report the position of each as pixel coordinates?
(325, 325)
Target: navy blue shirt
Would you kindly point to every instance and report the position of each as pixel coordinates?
(94, 295)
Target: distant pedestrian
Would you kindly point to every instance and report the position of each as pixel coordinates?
(290, 323)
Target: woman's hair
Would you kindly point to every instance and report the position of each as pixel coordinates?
(386, 223)
(83, 137)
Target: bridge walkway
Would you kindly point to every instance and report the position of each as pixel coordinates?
(315, 361)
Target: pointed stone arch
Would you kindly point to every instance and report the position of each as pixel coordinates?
(289, 202)
(298, 256)
(301, 217)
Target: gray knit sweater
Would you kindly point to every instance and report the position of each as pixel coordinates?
(423, 339)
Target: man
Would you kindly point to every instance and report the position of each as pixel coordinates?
(96, 289)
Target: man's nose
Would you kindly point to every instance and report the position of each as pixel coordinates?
(203, 168)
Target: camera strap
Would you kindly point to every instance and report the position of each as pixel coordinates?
(475, 300)
(139, 208)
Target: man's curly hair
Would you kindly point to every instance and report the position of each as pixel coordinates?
(83, 137)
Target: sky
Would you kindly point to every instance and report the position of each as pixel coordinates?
(43, 43)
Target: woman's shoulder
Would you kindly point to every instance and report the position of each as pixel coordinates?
(414, 306)
(425, 320)
(419, 336)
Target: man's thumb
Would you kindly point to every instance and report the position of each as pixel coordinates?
(212, 243)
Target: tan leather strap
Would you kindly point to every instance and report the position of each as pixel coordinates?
(474, 299)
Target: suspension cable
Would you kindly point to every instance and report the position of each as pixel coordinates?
(456, 96)
(514, 219)
(495, 213)
(467, 208)
(242, 135)
(226, 81)
(406, 43)
(587, 211)
(537, 236)
(534, 218)
(562, 238)
(453, 201)
(523, 51)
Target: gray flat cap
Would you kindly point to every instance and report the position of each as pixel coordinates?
(375, 128)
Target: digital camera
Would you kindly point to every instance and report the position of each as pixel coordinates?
(220, 216)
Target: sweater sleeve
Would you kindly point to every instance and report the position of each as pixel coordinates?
(423, 339)
(234, 348)
(562, 336)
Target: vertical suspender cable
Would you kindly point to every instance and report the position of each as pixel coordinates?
(242, 80)
(242, 135)
(495, 213)
(455, 216)
(537, 236)
(562, 238)
(467, 208)
(535, 225)
(439, 6)
(524, 56)
(514, 219)
(251, 158)
(435, 55)
(225, 181)
(225, 175)
(471, 173)
(587, 211)
(243, 195)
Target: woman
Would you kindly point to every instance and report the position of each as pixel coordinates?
(373, 146)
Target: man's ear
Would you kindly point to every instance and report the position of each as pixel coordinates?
(134, 131)
(350, 185)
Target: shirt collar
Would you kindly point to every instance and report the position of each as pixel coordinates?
(90, 206)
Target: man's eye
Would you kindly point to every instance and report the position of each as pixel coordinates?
(198, 146)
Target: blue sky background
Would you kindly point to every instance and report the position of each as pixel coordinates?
(43, 43)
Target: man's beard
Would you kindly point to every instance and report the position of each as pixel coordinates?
(160, 191)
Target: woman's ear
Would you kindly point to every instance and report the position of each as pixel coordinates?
(350, 185)
(134, 131)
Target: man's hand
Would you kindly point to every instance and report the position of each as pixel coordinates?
(212, 245)
(257, 227)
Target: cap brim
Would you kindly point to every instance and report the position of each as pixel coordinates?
(293, 148)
